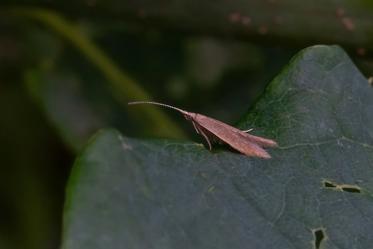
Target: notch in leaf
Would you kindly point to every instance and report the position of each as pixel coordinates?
(319, 237)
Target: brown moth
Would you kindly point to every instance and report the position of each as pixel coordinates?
(210, 128)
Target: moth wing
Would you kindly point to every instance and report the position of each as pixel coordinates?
(265, 142)
(248, 148)
(231, 136)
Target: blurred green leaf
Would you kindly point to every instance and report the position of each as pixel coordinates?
(69, 104)
(122, 87)
(162, 194)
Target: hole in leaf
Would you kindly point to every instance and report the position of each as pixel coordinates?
(329, 185)
(319, 237)
(351, 189)
(342, 187)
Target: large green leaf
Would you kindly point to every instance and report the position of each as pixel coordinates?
(316, 191)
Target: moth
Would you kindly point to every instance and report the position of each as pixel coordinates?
(215, 130)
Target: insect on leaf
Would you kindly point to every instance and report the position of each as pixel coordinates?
(212, 129)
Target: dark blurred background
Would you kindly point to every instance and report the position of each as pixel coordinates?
(68, 68)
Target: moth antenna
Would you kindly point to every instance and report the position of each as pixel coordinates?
(157, 103)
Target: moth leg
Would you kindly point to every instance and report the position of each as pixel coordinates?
(206, 137)
(248, 130)
(195, 127)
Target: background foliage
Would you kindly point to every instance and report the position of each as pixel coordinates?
(67, 69)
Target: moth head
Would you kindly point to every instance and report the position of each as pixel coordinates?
(188, 117)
